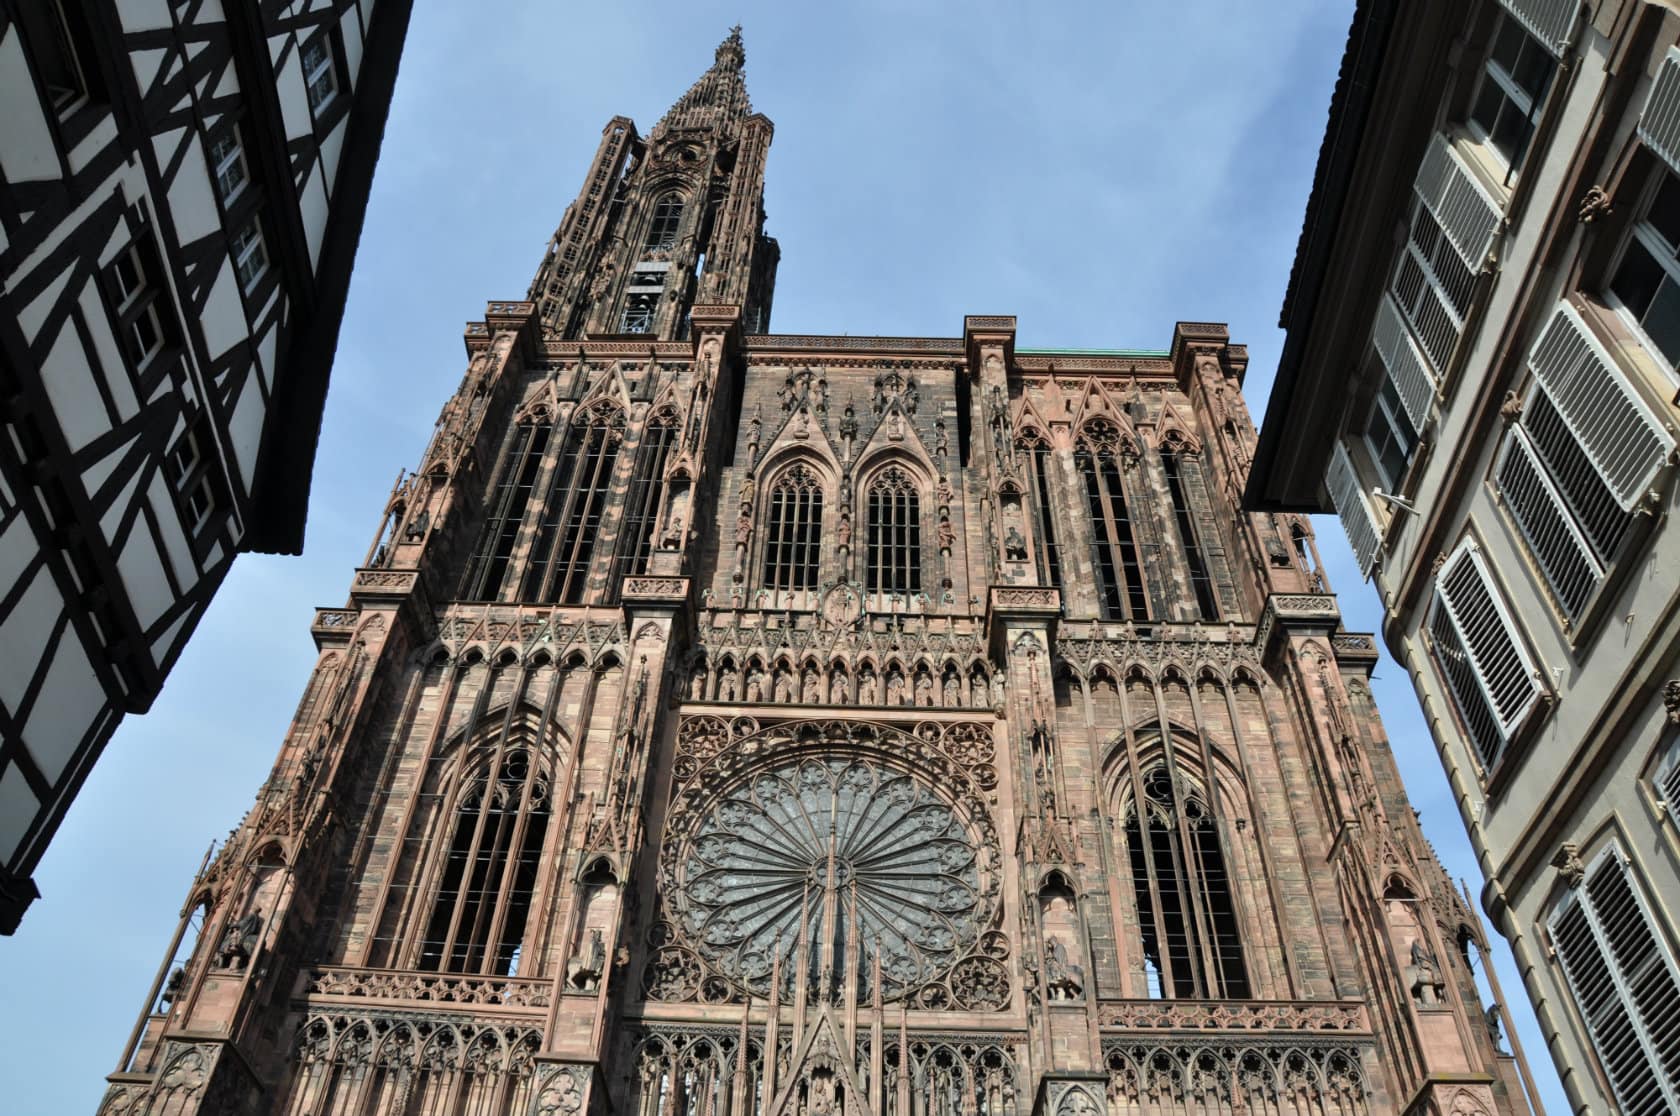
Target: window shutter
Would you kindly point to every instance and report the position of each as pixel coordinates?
(1620, 435)
(1659, 122)
(1489, 672)
(1625, 984)
(1548, 20)
(1541, 513)
(1355, 511)
(1668, 782)
(1406, 366)
(1465, 211)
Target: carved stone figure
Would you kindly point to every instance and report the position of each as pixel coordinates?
(840, 692)
(783, 686)
(727, 682)
(697, 683)
(1062, 979)
(952, 696)
(1426, 981)
(240, 942)
(895, 687)
(947, 535)
(755, 684)
(843, 532)
(416, 529)
(1014, 546)
(867, 693)
(813, 686)
(584, 972)
(924, 688)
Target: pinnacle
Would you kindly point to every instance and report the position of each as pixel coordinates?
(720, 96)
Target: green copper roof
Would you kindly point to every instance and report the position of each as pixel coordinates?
(1097, 352)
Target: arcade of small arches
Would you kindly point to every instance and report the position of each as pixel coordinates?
(891, 682)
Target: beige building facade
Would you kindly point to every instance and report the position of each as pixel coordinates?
(1479, 376)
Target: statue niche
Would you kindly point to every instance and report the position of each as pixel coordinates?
(597, 905)
(1064, 938)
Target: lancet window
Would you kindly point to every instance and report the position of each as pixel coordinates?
(1172, 463)
(894, 542)
(647, 487)
(489, 870)
(667, 219)
(1050, 554)
(573, 509)
(1114, 550)
(1186, 914)
(508, 501)
(794, 544)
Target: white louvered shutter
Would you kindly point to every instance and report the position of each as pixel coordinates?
(1466, 212)
(1668, 781)
(1413, 381)
(1488, 671)
(1619, 434)
(1542, 514)
(1354, 508)
(1659, 122)
(1549, 21)
(1626, 985)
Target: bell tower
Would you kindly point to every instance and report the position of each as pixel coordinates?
(668, 220)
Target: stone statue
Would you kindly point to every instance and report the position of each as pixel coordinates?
(178, 979)
(813, 686)
(867, 692)
(727, 682)
(783, 686)
(697, 683)
(240, 942)
(895, 688)
(924, 688)
(416, 529)
(953, 689)
(843, 533)
(946, 494)
(1490, 1019)
(840, 691)
(947, 535)
(584, 973)
(1062, 979)
(1426, 982)
(743, 527)
(1015, 545)
(755, 685)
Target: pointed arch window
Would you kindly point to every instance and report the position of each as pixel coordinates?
(667, 219)
(508, 501)
(476, 923)
(1114, 551)
(574, 508)
(893, 545)
(647, 489)
(1050, 554)
(794, 545)
(1186, 914)
(1195, 560)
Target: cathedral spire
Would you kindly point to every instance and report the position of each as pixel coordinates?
(719, 97)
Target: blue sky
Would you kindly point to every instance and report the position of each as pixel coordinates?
(1099, 170)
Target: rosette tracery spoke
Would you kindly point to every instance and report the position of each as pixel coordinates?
(840, 859)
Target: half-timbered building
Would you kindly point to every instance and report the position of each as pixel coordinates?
(182, 184)
(734, 722)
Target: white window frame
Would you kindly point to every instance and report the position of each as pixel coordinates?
(1507, 725)
(248, 243)
(189, 475)
(312, 72)
(143, 288)
(1623, 981)
(230, 159)
(1664, 254)
(1509, 88)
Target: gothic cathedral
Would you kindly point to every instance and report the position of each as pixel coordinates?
(728, 723)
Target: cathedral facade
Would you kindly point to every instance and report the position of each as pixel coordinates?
(728, 722)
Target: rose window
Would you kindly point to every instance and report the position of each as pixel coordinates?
(844, 858)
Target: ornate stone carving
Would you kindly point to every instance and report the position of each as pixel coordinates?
(431, 988)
